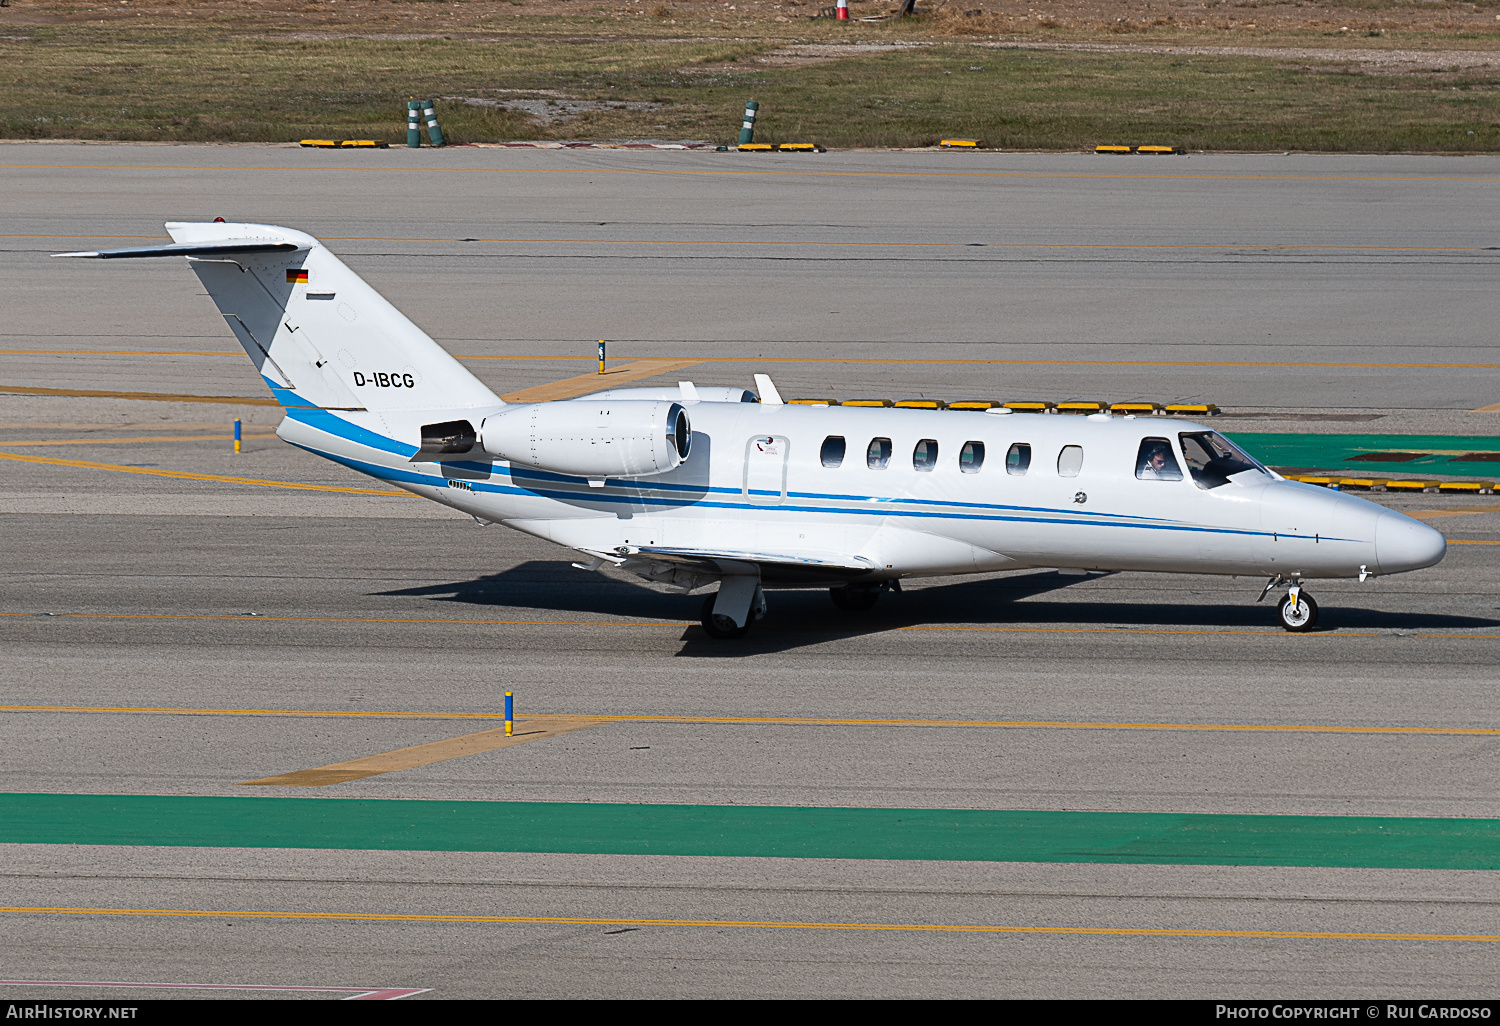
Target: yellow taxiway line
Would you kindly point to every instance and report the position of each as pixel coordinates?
(190, 476)
(753, 924)
(142, 438)
(595, 719)
(596, 382)
(158, 397)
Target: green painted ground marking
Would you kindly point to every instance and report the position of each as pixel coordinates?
(745, 831)
(1333, 452)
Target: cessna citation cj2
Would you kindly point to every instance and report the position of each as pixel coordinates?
(695, 486)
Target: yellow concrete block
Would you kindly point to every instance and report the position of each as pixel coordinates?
(799, 148)
(812, 402)
(755, 147)
(866, 402)
(1136, 408)
(1028, 406)
(973, 404)
(371, 143)
(1200, 409)
(918, 404)
(1112, 149)
(1476, 487)
(320, 142)
(1080, 406)
(1411, 486)
(968, 144)
(1159, 151)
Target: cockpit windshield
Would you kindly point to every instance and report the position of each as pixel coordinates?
(1214, 459)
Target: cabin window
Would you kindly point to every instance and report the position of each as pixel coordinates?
(1213, 459)
(878, 456)
(1156, 462)
(1070, 461)
(1018, 459)
(833, 451)
(971, 457)
(924, 456)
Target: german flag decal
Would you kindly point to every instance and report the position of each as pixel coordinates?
(296, 276)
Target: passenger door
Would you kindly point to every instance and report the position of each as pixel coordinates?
(765, 470)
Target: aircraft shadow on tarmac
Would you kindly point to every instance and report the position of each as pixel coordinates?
(804, 617)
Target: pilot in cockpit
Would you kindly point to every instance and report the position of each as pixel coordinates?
(1156, 462)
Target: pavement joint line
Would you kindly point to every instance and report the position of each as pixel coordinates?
(185, 475)
(1268, 632)
(355, 993)
(261, 401)
(982, 928)
(1228, 177)
(596, 719)
(1210, 247)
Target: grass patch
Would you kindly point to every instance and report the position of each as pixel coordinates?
(220, 84)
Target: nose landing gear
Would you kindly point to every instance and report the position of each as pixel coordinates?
(1297, 611)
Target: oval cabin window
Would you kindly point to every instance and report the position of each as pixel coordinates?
(878, 456)
(925, 455)
(1070, 461)
(971, 457)
(833, 451)
(1018, 459)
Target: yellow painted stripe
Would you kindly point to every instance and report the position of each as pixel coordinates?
(585, 383)
(593, 719)
(754, 924)
(114, 352)
(1268, 632)
(1471, 541)
(189, 476)
(416, 756)
(143, 438)
(158, 397)
(746, 172)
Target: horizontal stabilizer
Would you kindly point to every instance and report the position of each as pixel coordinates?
(187, 249)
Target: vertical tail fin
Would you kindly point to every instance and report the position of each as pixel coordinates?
(319, 336)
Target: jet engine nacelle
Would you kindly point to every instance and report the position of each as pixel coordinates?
(606, 438)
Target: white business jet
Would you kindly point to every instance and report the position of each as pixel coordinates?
(691, 487)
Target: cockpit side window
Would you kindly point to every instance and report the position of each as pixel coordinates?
(1155, 461)
(833, 451)
(878, 456)
(1213, 459)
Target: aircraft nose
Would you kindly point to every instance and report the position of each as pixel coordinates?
(1402, 543)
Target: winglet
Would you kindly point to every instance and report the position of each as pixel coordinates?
(768, 394)
(688, 390)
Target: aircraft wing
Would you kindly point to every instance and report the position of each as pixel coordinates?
(681, 565)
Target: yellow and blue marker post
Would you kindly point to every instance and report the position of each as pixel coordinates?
(510, 719)
(601, 356)
(236, 438)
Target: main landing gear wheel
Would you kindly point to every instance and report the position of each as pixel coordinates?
(717, 625)
(854, 600)
(1303, 616)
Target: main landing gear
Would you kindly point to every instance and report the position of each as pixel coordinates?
(736, 595)
(860, 598)
(1297, 611)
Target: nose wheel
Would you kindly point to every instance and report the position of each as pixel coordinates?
(1297, 611)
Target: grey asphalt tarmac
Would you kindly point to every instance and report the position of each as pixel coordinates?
(386, 603)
